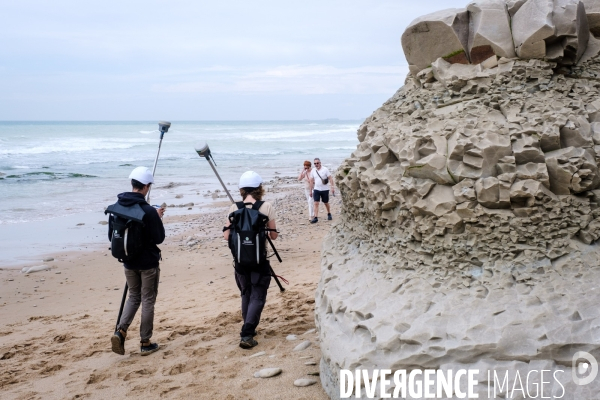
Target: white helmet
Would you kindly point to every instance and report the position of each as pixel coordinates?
(142, 175)
(250, 179)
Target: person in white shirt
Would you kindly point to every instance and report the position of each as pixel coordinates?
(320, 182)
(305, 177)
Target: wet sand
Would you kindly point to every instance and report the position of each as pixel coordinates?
(56, 325)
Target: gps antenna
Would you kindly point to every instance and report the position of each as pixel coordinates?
(163, 127)
(204, 151)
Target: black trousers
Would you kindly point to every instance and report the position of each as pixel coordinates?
(253, 289)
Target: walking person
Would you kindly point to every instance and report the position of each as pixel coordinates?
(305, 177)
(252, 281)
(142, 272)
(321, 180)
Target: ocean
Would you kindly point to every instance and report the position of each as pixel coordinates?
(61, 171)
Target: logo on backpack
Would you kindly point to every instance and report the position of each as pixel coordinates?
(127, 231)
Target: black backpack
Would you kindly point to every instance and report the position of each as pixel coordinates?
(248, 236)
(127, 231)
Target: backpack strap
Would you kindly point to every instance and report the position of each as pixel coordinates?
(257, 205)
(240, 204)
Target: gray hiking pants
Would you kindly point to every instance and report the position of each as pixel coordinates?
(143, 288)
(253, 288)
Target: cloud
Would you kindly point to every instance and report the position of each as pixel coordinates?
(295, 79)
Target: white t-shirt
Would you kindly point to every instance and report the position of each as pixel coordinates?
(324, 172)
(266, 209)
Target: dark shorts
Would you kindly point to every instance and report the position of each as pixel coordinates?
(321, 195)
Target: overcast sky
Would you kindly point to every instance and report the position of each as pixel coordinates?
(200, 60)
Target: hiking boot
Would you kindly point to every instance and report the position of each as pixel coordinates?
(314, 220)
(149, 349)
(248, 342)
(329, 217)
(118, 343)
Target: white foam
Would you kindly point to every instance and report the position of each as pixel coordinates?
(75, 146)
(269, 135)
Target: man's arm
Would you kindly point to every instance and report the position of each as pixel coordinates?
(155, 228)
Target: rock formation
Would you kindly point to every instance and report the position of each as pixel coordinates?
(468, 235)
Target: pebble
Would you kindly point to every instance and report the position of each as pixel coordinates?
(310, 363)
(267, 372)
(309, 331)
(103, 223)
(116, 288)
(10, 280)
(303, 346)
(291, 337)
(48, 259)
(57, 273)
(260, 353)
(80, 224)
(313, 373)
(304, 382)
(34, 305)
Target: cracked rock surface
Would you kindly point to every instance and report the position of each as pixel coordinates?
(471, 215)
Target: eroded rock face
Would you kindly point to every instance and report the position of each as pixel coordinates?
(468, 237)
(489, 30)
(552, 30)
(592, 8)
(445, 33)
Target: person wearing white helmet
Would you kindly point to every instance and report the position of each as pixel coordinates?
(253, 286)
(143, 272)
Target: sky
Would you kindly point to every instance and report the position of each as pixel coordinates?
(199, 60)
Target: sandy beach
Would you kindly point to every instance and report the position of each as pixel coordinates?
(56, 324)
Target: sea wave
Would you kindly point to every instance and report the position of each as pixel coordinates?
(46, 175)
(71, 147)
(266, 135)
(341, 148)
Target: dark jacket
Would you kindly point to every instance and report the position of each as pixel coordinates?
(154, 232)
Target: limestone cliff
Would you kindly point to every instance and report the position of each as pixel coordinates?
(471, 207)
